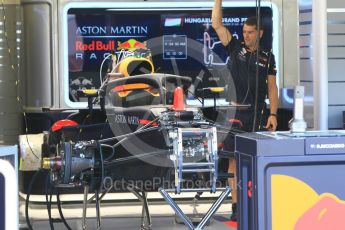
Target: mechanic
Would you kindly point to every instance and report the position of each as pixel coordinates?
(242, 65)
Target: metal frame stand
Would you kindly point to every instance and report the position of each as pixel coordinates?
(146, 222)
(86, 201)
(194, 144)
(86, 193)
(195, 217)
(186, 219)
(195, 150)
(98, 210)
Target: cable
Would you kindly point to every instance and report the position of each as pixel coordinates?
(132, 134)
(102, 164)
(27, 218)
(82, 125)
(104, 125)
(100, 69)
(248, 79)
(26, 135)
(135, 157)
(258, 15)
(194, 95)
(140, 130)
(60, 209)
(121, 60)
(127, 135)
(118, 62)
(48, 201)
(112, 153)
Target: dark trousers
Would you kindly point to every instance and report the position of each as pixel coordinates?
(246, 117)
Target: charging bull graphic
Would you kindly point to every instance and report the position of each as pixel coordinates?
(131, 45)
(296, 206)
(327, 213)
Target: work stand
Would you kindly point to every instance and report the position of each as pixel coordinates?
(209, 214)
(146, 223)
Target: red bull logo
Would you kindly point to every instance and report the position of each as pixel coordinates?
(131, 45)
(296, 206)
(95, 46)
(327, 213)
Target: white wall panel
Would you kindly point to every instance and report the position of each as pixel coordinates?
(336, 93)
(335, 16)
(306, 71)
(336, 28)
(335, 4)
(336, 70)
(305, 52)
(304, 40)
(336, 62)
(305, 29)
(308, 103)
(289, 68)
(336, 39)
(304, 17)
(336, 52)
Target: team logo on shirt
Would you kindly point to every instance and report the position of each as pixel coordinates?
(265, 52)
(263, 59)
(261, 64)
(242, 54)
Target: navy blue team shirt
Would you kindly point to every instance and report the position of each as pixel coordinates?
(242, 66)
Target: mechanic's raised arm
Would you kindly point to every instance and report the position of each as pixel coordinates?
(223, 33)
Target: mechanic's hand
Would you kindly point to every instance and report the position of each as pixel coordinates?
(271, 123)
